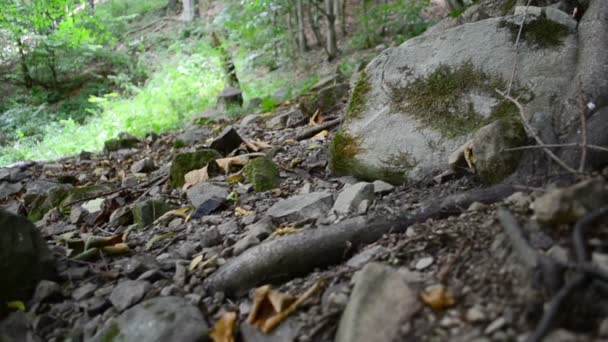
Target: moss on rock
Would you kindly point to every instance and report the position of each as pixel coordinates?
(343, 149)
(539, 33)
(262, 173)
(186, 162)
(438, 100)
(358, 98)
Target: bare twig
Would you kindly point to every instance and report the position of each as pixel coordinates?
(521, 29)
(583, 115)
(533, 133)
(314, 130)
(589, 146)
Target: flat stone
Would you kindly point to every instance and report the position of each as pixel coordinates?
(533, 11)
(146, 212)
(382, 187)
(8, 189)
(157, 320)
(47, 290)
(245, 243)
(261, 229)
(210, 237)
(381, 302)
(362, 258)
(128, 293)
(52, 168)
(301, 207)
(143, 166)
(228, 141)
(192, 137)
(423, 263)
(560, 17)
(250, 119)
(202, 192)
(84, 291)
(228, 228)
(350, 198)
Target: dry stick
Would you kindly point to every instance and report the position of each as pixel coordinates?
(314, 130)
(521, 28)
(583, 115)
(589, 146)
(531, 131)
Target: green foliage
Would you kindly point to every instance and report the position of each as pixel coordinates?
(540, 32)
(400, 20)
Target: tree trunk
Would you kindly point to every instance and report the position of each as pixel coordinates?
(332, 44)
(302, 43)
(27, 77)
(343, 15)
(314, 24)
(172, 6)
(188, 11)
(227, 63)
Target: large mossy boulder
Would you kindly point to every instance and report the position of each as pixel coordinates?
(24, 258)
(415, 104)
(262, 173)
(188, 161)
(123, 141)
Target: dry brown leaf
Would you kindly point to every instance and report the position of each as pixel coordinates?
(257, 145)
(286, 231)
(437, 297)
(271, 307)
(468, 156)
(226, 163)
(119, 248)
(195, 177)
(315, 119)
(170, 215)
(238, 211)
(223, 330)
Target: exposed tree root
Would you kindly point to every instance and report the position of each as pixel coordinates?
(298, 254)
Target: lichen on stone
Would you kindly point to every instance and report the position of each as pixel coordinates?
(262, 173)
(358, 98)
(539, 32)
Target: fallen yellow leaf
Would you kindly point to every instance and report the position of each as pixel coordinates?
(437, 297)
(195, 177)
(223, 330)
(286, 231)
(16, 305)
(238, 211)
(197, 260)
(320, 136)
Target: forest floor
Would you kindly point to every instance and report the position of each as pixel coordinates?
(450, 279)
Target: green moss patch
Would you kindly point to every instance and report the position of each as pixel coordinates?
(359, 97)
(186, 162)
(507, 7)
(539, 33)
(262, 173)
(343, 150)
(436, 100)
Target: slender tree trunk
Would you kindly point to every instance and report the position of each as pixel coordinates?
(302, 43)
(172, 6)
(227, 63)
(188, 11)
(27, 77)
(51, 62)
(343, 15)
(290, 25)
(314, 24)
(332, 44)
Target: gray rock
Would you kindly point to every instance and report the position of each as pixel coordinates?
(325, 100)
(144, 166)
(157, 320)
(286, 331)
(47, 290)
(228, 141)
(301, 207)
(5, 174)
(533, 11)
(17, 328)
(566, 205)
(185, 162)
(278, 121)
(210, 237)
(124, 141)
(202, 192)
(192, 137)
(84, 291)
(397, 127)
(381, 302)
(361, 259)
(560, 17)
(229, 227)
(128, 293)
(519, 200)
(146, 212)
(7, 189)
(229, 97)
(382, 188)
(280, 94)
(78, 214)
(253, 104)
(424, 263)
(24, 258)
(121, 217)
(492, 162)
(52, 168)
(36, 189)
(250, 119)
(350, 198)
(244, 243)
(261, 229)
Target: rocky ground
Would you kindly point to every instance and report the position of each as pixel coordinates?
(139, 251)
